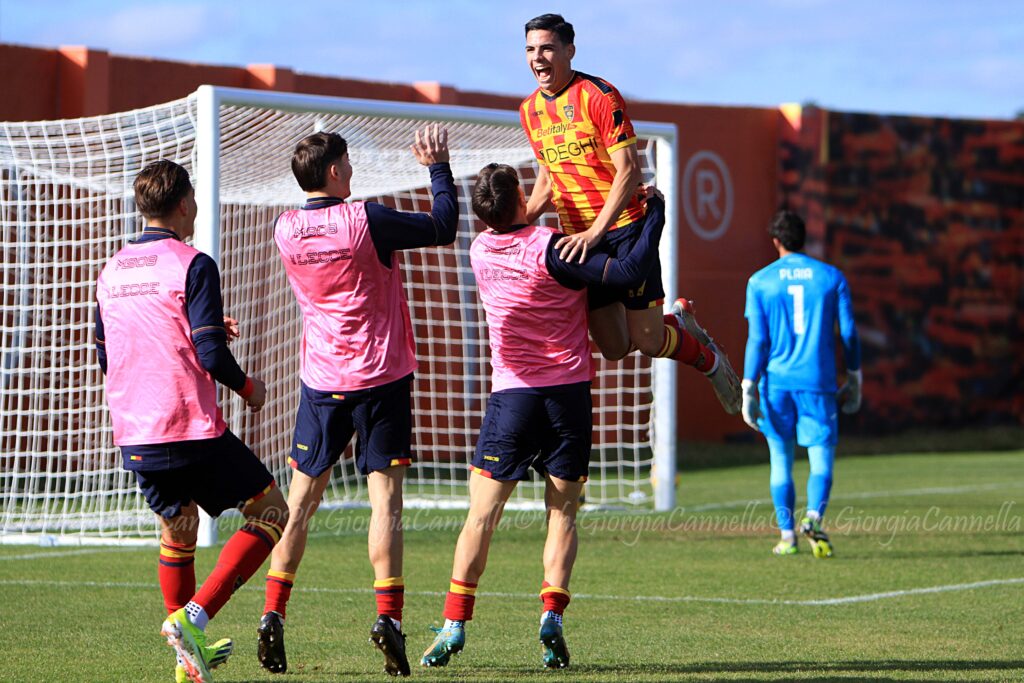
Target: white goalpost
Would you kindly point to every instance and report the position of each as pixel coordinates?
(66, 206)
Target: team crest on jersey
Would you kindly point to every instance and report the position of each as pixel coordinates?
(569, 111)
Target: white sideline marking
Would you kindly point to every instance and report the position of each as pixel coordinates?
(64, 553)
(869, 597)
(863, 494)
(914, 591)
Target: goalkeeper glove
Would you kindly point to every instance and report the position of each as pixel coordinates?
(751, 405)
(849, 394)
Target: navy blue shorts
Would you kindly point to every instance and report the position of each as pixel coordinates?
(547, 428)
(223, 474)
(648, 295)
(326, 420)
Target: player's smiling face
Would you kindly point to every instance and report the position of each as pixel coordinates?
(550, 59)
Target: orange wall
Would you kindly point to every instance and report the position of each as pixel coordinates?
(75, 81)
(28, 83)
(713, 270)
(71, 82)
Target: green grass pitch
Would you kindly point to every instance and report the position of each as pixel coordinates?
(694, 595)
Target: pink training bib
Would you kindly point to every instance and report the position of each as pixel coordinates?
(356, 330)
(156, 388)
(537, 327)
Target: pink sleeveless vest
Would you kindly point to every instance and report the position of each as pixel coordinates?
(356, 330)
(156, 388)
(537, 327)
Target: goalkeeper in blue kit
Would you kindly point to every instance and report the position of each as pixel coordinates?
(789, 380)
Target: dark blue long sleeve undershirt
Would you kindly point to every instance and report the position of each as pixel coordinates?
(393, 230)
(205, 311)
(601, 268)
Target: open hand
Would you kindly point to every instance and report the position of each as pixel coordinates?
(580, 244)
(431, 145)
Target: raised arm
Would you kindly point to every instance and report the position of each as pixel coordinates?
(393, 230)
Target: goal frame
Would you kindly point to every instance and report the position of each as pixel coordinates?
(207, 237)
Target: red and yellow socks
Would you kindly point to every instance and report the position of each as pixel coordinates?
(278, 590)
(680, 345)
(177, 573)
(555, 599)
(390, 596)
(458, 605)
(242, 555)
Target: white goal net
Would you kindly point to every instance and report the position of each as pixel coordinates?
(66, 206)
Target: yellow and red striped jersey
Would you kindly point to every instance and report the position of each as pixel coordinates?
(573, 132)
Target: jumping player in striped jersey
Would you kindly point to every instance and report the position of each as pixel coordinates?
(793, 309)
(539, 412)
(358, 359)
(589, 170)
(161, 340)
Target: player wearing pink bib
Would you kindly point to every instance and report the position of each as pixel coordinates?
(356, 328)
(161, 339)
(539, 412)
(358, 357)
(549, 345)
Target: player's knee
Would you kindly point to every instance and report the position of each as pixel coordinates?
(484, 521)
(183, 528)
(615, 353)
(650, 341)
(271, 508)
(562, 517)
(181, 534)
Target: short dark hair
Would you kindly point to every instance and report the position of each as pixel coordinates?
(789, 229)
(555, 23)
(496, 195)
(160, 187)
(313, 155)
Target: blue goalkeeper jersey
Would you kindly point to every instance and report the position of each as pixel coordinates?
(793, 307)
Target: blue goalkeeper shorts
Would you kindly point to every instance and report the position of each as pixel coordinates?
(809, 417)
